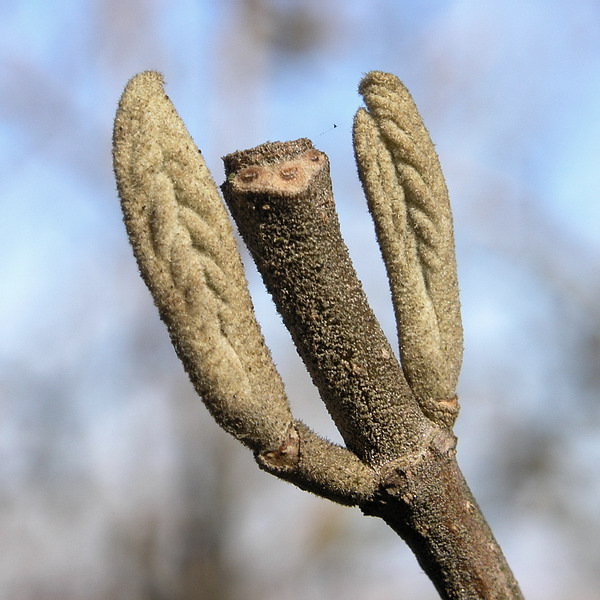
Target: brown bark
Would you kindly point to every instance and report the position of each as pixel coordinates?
(426, 500)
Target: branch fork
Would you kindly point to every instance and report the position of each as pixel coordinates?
(398, 460)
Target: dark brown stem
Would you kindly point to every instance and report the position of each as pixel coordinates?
(426, 500)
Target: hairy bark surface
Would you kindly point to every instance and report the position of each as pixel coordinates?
(396, 420)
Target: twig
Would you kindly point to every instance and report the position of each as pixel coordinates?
(399, 462)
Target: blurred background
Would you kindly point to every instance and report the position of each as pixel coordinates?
(114, 481)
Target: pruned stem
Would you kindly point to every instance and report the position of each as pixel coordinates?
(280, 197)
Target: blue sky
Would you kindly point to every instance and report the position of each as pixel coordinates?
(509, 91)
